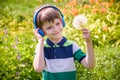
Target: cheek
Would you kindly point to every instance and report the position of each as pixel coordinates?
(47, 32)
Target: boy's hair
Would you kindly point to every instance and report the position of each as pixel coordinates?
(47, 15)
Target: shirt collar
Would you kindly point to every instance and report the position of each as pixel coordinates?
(50, 43)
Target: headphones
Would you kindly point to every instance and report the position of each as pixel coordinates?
(36, 14)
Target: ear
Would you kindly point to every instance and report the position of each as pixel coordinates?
(60, 20)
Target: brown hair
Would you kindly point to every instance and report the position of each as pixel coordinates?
(47, 15)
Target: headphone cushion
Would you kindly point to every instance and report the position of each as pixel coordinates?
(41, 32)
(63, 22)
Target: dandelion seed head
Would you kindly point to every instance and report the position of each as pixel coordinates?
(79, 20)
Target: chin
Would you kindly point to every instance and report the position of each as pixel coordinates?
(58, 36)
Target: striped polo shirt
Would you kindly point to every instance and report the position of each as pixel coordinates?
(60, 59)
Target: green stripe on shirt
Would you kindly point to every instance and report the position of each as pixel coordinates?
(79, 55)
(71, 75)
(68, 42)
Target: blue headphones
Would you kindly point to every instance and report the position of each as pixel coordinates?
(36, 14)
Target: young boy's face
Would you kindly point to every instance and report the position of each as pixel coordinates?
(53, 29)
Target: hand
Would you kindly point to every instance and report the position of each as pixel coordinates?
(38, 36)
(86, 34)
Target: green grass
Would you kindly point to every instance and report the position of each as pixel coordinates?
(107, 65)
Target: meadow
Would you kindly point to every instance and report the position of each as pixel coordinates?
(17, 41)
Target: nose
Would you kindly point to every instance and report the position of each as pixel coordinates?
(55, 29)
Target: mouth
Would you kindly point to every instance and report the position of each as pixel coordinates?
(56, 33)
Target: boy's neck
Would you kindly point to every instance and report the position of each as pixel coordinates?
(56, 40)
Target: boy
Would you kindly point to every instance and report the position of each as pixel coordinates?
(55, 56)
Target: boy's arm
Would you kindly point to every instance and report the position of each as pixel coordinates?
(88, 61)
(38, 62)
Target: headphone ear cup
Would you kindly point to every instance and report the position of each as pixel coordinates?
(63, 22)
(41, 32)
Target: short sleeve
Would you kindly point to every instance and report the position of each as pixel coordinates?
(78, 53)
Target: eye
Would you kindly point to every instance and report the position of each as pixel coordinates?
(49, 27)
(58, 23)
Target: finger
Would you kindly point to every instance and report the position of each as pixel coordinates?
(36, 30)
(86, 34)
(83, 29)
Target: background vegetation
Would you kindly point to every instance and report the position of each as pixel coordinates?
(17, 41)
